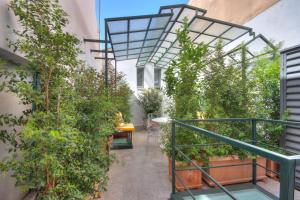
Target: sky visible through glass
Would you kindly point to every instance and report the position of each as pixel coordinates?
(123, 8)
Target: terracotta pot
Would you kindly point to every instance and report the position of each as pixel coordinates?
(274, 167)
(192, 178)
(234, 174)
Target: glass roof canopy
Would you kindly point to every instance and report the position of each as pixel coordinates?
(152, 38)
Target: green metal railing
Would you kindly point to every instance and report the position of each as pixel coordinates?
(287, 163)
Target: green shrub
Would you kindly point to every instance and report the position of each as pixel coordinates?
(151, 101)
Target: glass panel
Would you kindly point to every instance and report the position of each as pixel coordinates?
(169, 26)
(117, 26)
(176, 44)
(233, 33)
(133, 56)
(134, 51)
(189, 13)
(177, 26)
(144, 55)
(120, 53)
(118, 47)
(166, 44)
(148, 49)
(150, 42)
(140, 77)
(193, 35)
(175, 12)
(154, 34)
(224, 42)
(199, 25)
(256, 46)
(168, 55)
(171, 37)
(143, 59)
(174, 50)
(204, 38)
(121, 58)
(159, 22)
(165, 59)
(137, 36)
(118, 38)
(217, 29)
(158, 54)
(135, 45)
(139, 24)
(161, 50)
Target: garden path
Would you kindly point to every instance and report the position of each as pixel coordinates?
(141, 173)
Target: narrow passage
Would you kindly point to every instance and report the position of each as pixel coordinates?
(141, 173)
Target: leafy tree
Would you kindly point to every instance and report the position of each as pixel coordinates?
(61, 151)
(266, 94)
(182, 79)
(151, 100)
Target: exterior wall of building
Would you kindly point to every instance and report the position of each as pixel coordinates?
(279, 22)
(83, 23)
(235, 11)
(129, 69)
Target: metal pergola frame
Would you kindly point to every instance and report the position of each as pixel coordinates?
(287, 163)
(163, 48)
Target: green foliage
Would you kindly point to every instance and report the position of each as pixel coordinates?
(225, 88)
(182, 86)
(61, 150)
(198, 82)
(265, 76)
(151, 100)
(182, 76)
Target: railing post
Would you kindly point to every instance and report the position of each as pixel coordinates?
(287, 179)
(254, 140)
(173, 157)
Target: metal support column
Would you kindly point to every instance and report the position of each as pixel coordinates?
(287, 180)
(253, 129)
(106, 57)
(173, 157)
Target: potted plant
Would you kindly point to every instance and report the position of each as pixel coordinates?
(151, 101)
(226, 90)
(182, 79)
(186, 171)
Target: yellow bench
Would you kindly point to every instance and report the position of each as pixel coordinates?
(122, 138)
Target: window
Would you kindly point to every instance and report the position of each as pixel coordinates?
(157, 77)
(140, 77)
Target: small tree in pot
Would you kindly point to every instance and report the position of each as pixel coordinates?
(151, 101)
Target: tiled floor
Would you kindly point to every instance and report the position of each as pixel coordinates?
(141, 173)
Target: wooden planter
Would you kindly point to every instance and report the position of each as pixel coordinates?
(234, 174)
(192, 178)
(274, 167)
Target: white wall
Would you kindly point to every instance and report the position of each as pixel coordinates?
(280, 22)
(128, 67)
(83, 23)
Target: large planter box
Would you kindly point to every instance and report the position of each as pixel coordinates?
(192, 178)
(234, 174)
(274, 167)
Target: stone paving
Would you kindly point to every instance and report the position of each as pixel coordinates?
(141, 173)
